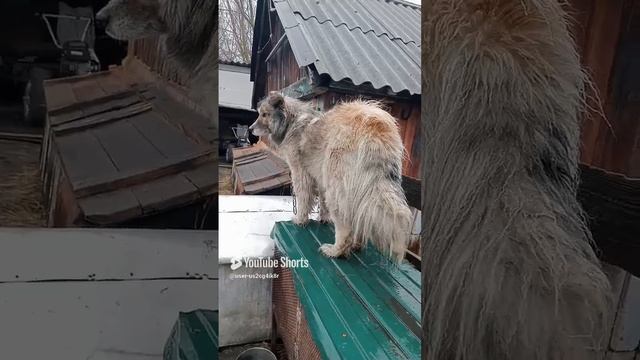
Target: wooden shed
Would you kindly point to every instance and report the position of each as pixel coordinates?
(325, 52)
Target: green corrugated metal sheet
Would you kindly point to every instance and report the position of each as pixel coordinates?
(194, 337)
(363, 307)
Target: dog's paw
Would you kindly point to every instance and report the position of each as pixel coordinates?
(301, 221)
(324, 217)
(329, 250)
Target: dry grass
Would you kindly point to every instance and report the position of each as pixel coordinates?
(225, 186)
(21, 203)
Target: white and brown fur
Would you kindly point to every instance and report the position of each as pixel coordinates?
(350, 157)
(509, 271)
(188, 33)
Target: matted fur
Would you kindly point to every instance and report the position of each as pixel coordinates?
(351, 158)
(507, 261)
(188, 31)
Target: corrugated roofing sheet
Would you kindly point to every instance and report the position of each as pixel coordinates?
(362, 307)
(365, 41)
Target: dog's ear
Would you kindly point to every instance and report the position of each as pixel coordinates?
(278, 126)
(275, 99)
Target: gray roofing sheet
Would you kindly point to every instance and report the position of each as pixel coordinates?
(366, 41)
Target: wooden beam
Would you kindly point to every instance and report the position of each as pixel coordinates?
(89, 187)
(101, 119)
(34, 138)
(612, 204)
(412, 189)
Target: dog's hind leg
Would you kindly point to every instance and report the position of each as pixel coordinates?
(303, 190)
(343, 244)
(325, 216)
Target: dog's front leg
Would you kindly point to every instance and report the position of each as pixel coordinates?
(344, 242)
(303, 186)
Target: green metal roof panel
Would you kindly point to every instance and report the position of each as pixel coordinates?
(363, 307)
(193, 337)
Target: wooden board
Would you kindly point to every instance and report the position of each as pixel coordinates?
(59, 96)
(165, 193)
(205, 178)
(612, 203)
(110, 207)
(128, 149)
(165, 136)
(98, 184)
(84, 157)
(87, 90)
(93, 120)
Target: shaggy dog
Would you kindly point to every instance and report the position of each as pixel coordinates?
(188, 31)
(351, 158)
(507, 260)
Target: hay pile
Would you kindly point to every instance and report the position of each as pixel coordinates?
(21, 203)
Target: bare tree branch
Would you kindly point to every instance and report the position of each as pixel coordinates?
(236, 23)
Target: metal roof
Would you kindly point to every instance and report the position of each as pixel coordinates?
(364, 41)
(361, 307)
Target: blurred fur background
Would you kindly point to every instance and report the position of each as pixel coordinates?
(508, 263)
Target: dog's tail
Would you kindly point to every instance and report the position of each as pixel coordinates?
(382, 217)
(509, 269)
(376, 206)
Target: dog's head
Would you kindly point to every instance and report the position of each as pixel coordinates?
(271, 119)
(132, 19)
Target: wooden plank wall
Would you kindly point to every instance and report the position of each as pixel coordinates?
(282, 68)
(608, 38)
(148, 51)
